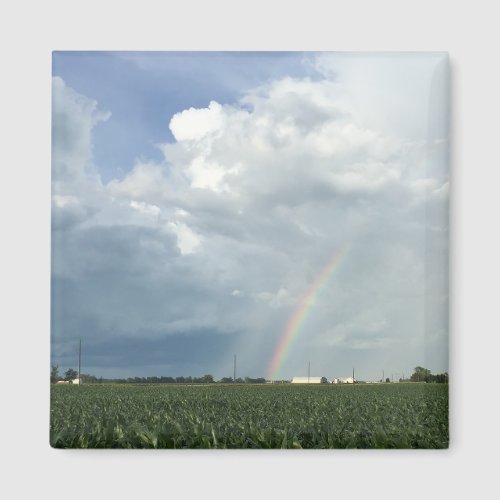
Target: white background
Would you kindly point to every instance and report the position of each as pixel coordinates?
(29, 31)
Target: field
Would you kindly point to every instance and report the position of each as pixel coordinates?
(250, 416)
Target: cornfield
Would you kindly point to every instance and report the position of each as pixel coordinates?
(250, 416)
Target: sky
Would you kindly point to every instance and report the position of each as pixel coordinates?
(287, 208)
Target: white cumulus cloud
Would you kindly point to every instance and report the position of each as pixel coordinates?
(194, 124)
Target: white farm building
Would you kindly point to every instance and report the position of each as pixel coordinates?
(345, 380)
(74, 381)
(308, 380)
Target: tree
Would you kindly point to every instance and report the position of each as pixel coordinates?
(259, 380)
(324, 380)
(70, 374)
(54, 374)
(387, 380)
(420, 375)
(88, 379)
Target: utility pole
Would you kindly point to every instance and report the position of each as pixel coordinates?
(308, 372)
(353, 375)
(234, 369)
(79, 361)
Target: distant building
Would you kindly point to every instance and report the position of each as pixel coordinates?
(74, 381)
(344, 380)
(307, 380)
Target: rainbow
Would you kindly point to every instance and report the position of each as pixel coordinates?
(301, 312)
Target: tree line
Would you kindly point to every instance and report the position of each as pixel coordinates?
(420, 374)
(72, 374)
(205, 379)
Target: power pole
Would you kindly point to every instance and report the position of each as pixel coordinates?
(353, 375)
(79, 361)
(234, 369)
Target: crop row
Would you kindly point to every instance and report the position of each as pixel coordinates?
(363, 416)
